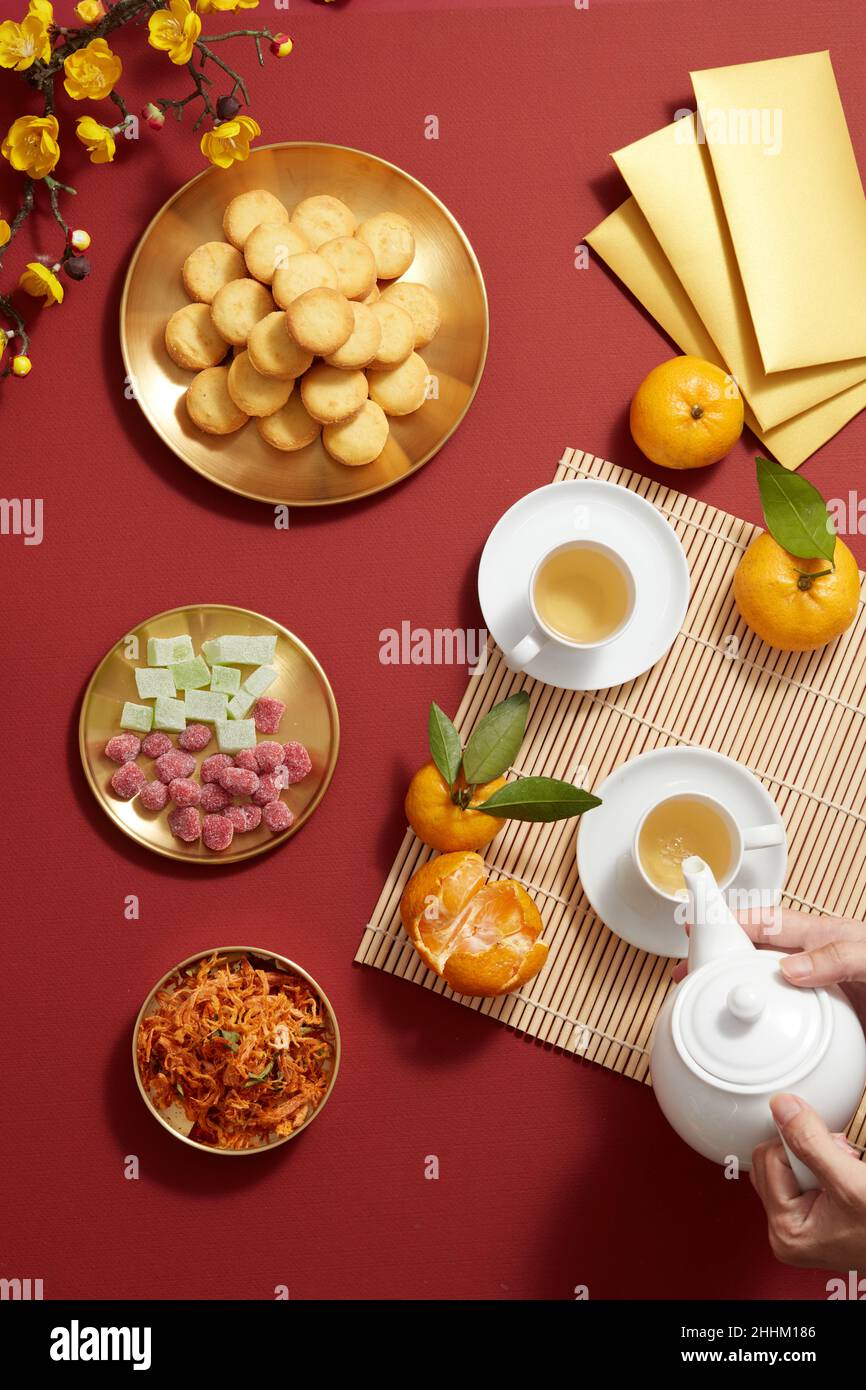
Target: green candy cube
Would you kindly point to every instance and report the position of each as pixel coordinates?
(167, 651)
(205, 705)
(191, 675)
(226, 679)
(240, 651)
(235, 734)
(170, 715)
(137, 717)
(258, 681)
(152, 681)
(241, 704)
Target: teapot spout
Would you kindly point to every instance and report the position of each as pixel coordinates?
(715, 932)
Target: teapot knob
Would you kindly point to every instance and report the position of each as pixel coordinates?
(747, 1001)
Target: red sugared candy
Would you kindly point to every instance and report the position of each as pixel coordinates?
(156, 744)
(194, 738)
(269, 756)
(185, 823)
(243, 818)
(154, 796)
(123, 748)
(218, 832)
(247, 758)
(213, 766)
(267, 714)
(128, 781)
(297, 763)
(213, 798)
(268, 789)
(238, 781)
(168, 766)
(184, 791)
(277, 816)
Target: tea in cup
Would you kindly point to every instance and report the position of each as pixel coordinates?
(691, 823)
(582, 595)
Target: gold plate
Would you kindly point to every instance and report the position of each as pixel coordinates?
(234, 953)
(243, 462)
(311, 718)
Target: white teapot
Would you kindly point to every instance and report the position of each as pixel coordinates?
(734, 1032)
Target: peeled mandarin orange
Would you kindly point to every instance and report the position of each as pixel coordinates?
(440, 821)
(480, 937)
(793, 604)
(686, 414)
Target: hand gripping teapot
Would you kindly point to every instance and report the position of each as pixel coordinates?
(734, 1032)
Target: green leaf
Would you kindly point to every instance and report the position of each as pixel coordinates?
(254, 1080)
(795, 512)
(445, 749)
(496, 740)
(231, 1038)
(539, 799)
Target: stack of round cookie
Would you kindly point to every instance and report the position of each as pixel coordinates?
(325, 335)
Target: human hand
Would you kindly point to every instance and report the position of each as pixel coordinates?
(814, 1230)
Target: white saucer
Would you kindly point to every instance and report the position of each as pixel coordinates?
(617, 893)
(599, 511)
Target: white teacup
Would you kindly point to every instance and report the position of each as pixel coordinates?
(542, 634)
(742, 839)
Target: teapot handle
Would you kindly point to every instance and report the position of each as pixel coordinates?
(805, 1177)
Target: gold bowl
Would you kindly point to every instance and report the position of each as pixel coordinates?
(164, 1117)
(311, 718)
(243, 462)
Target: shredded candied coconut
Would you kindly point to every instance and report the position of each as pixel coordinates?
(247, 1052)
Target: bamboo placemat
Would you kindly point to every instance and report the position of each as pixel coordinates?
(797, 720)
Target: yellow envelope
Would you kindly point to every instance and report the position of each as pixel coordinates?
(794, 202)
(671, 176)
(626, 242)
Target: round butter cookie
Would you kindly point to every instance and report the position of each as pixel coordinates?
(400, 390)
(321, 218)
(192, 340)
(210, 406)
(422, 306)
(273, 351)
(247, 210)
(303, 272)
(353, 264)
(253, 393)
(362, 344)
(268, 247)
(320, 320)
(209, 267)
(290, 427)
(392, 241)
(331, 395)
(238, 307)
(360, 439)
(372, 296)
(398, 334)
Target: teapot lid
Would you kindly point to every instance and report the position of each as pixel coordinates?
(739, 1020)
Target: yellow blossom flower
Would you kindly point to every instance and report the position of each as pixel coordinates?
(97, 139)
(225, 6)
(31, 145)
(92, 71)
(39, 281)
(90, 11)
(230, 141)
(43, 9)
(5, 231)
(174, 31)
(22, 44)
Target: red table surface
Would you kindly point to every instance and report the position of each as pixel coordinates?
(553, 1172)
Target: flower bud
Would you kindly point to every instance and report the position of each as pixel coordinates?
(227, 107)
(281, 46)
(21, 365)
(152, 116)
(78, 239)
(77, 267)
